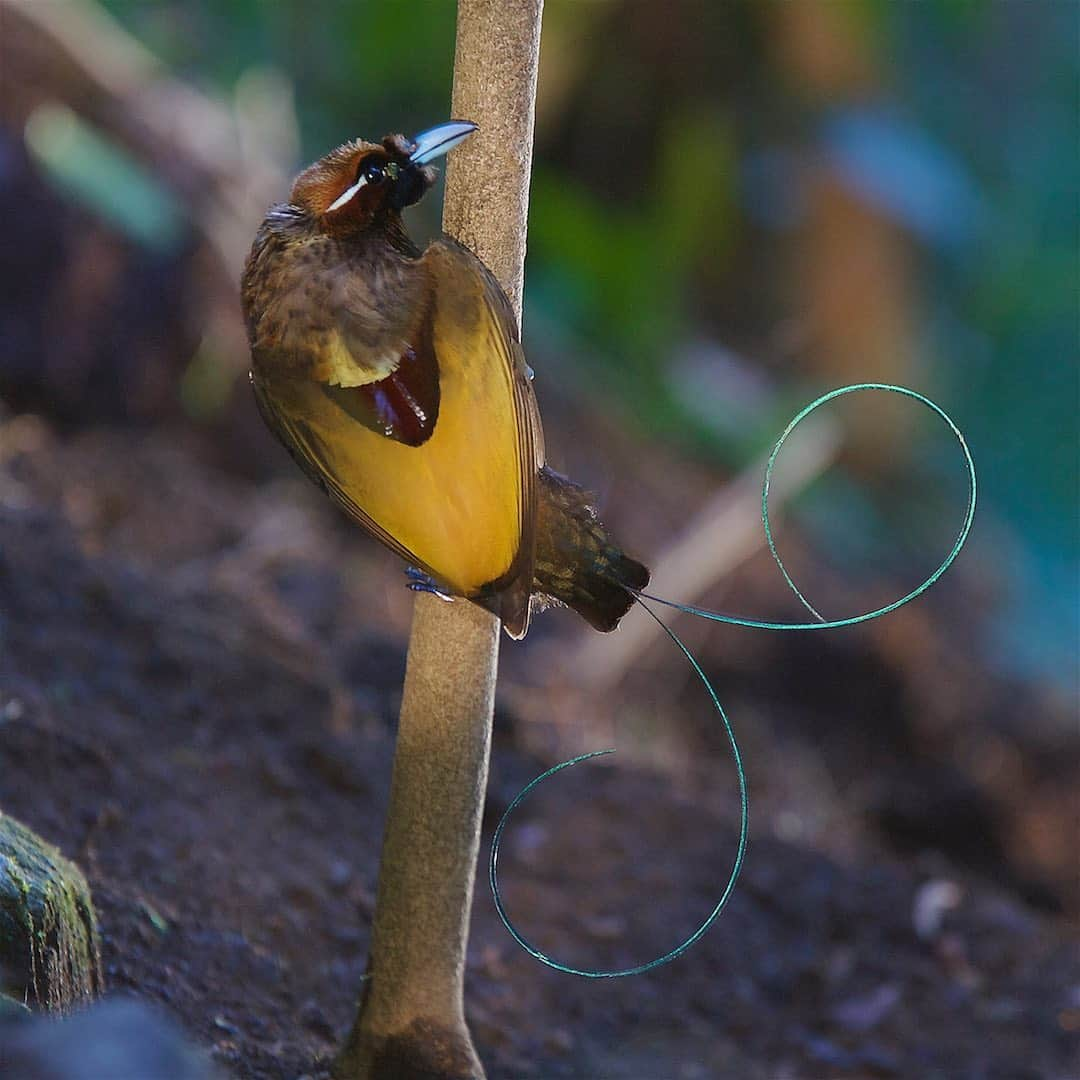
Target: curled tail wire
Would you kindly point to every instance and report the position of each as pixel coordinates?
(635, 594)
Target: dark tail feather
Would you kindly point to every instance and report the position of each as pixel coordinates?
(577, 563)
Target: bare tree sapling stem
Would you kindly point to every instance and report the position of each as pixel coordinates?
(411, 1021)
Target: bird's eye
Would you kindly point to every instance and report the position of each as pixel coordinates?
(372, 172)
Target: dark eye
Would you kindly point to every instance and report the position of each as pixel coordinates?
(372, 171)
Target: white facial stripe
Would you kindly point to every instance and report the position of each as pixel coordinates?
(342, 199)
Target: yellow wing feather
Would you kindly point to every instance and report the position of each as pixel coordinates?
(462, 504)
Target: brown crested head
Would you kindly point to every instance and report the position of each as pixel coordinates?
(361, 184)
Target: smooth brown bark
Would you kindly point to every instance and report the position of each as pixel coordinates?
(411, 1022)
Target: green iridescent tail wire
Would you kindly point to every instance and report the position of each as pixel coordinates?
(821, 624)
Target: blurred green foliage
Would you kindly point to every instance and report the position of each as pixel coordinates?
(620, 274)
(356, 66)
(92, 170)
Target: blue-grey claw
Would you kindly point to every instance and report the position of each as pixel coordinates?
(418, 581)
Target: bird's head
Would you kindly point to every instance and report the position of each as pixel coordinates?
(360, 184)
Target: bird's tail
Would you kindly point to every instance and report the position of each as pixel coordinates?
(577, 563)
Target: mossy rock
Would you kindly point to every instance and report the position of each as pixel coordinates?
(50, 954)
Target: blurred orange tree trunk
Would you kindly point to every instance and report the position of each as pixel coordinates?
(853, 268)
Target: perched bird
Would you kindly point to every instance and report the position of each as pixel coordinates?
(395, 378)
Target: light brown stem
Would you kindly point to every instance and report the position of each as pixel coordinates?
(487, 177)
(411, 1022)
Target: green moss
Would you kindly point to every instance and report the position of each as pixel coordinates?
(49, 947)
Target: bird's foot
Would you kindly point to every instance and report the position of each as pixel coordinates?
(418, 581)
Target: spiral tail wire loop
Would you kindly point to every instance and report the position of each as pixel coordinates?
(820, 623)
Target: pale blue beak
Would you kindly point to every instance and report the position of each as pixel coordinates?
(439, 140)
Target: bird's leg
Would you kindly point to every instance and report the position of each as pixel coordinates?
(418, 581)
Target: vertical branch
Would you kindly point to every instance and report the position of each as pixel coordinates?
(411, 1020)
(487, 177)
